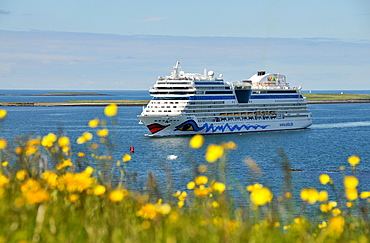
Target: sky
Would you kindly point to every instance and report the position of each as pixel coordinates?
(119, 44)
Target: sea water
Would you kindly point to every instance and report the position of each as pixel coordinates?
(338, 131)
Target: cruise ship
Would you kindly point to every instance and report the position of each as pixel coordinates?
(193, 103)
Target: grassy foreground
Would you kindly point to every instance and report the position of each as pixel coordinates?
(50, 192)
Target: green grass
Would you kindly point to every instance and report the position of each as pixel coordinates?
(319, 97)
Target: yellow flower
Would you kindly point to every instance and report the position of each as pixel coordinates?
(94, 123)
(3, 114)
(323, 196)
(63, 142)
(190, 185)
(3, 143)
(86, 136)
(196, 141)
(21, 175)
(147, 211)
(66, 163)
(110, 110)
(350, 182)
(261, 196)
(51, 178)
(103, 132)
(310, 194)
(353, 160)
(163, 208)
(364, 195)
(5, 163)
(336, 225)
(73, 197)
(81, 154)
(336, 212)
(201, 180)
(351, 194)
(99, 190)
(116, 195)
(214, 152)
(202, 191)
(48, 140)
(89, 170)
(323, 225)
(74, 182)
(324, 179)
(219, 187)
(3, 180)
(126, 158)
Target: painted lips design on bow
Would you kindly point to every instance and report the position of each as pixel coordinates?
(155, 127)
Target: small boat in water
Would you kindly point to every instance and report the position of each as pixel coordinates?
(192, 103)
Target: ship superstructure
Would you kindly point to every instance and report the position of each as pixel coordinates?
(192, 103)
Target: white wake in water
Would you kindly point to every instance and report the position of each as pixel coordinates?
(340, 125)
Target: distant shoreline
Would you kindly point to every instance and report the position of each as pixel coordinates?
(144, 103)
(311, 99)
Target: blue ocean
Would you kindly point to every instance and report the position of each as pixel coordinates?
(338, 131)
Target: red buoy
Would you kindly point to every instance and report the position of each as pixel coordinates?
(132, 149)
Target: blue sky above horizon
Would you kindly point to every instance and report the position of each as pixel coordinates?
(126, 45)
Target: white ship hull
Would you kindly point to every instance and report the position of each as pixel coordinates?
(181, 125)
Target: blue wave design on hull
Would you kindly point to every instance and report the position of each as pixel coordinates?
(191, 125)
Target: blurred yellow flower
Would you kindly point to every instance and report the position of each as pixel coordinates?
(73, 197)
(126, 158)
(214, 152)
(5, 163)
(351, 194)
(3, 143)
(201, 180)
(3, 114)
(323, 225)
(190, 185)
(48, 140)
(65, 163)
(353, 160)
(117, 195)
(81, 154)
(350, 182)
(147, 211)
(102, 133)
(21, 175)
(336, 211)
(219, 187)
(3, 180)
(310, 195)
(324, 179)
(63, 142)
(51, 178)
(86, 136)
(202, 191)
(163, 208)
(99, 190)
(336, 225)
(196, 141)
(364, 195)
(110, 110)
(323, 196)
(261, 196)
(94, 123)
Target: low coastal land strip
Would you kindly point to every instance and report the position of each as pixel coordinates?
(312, 98)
